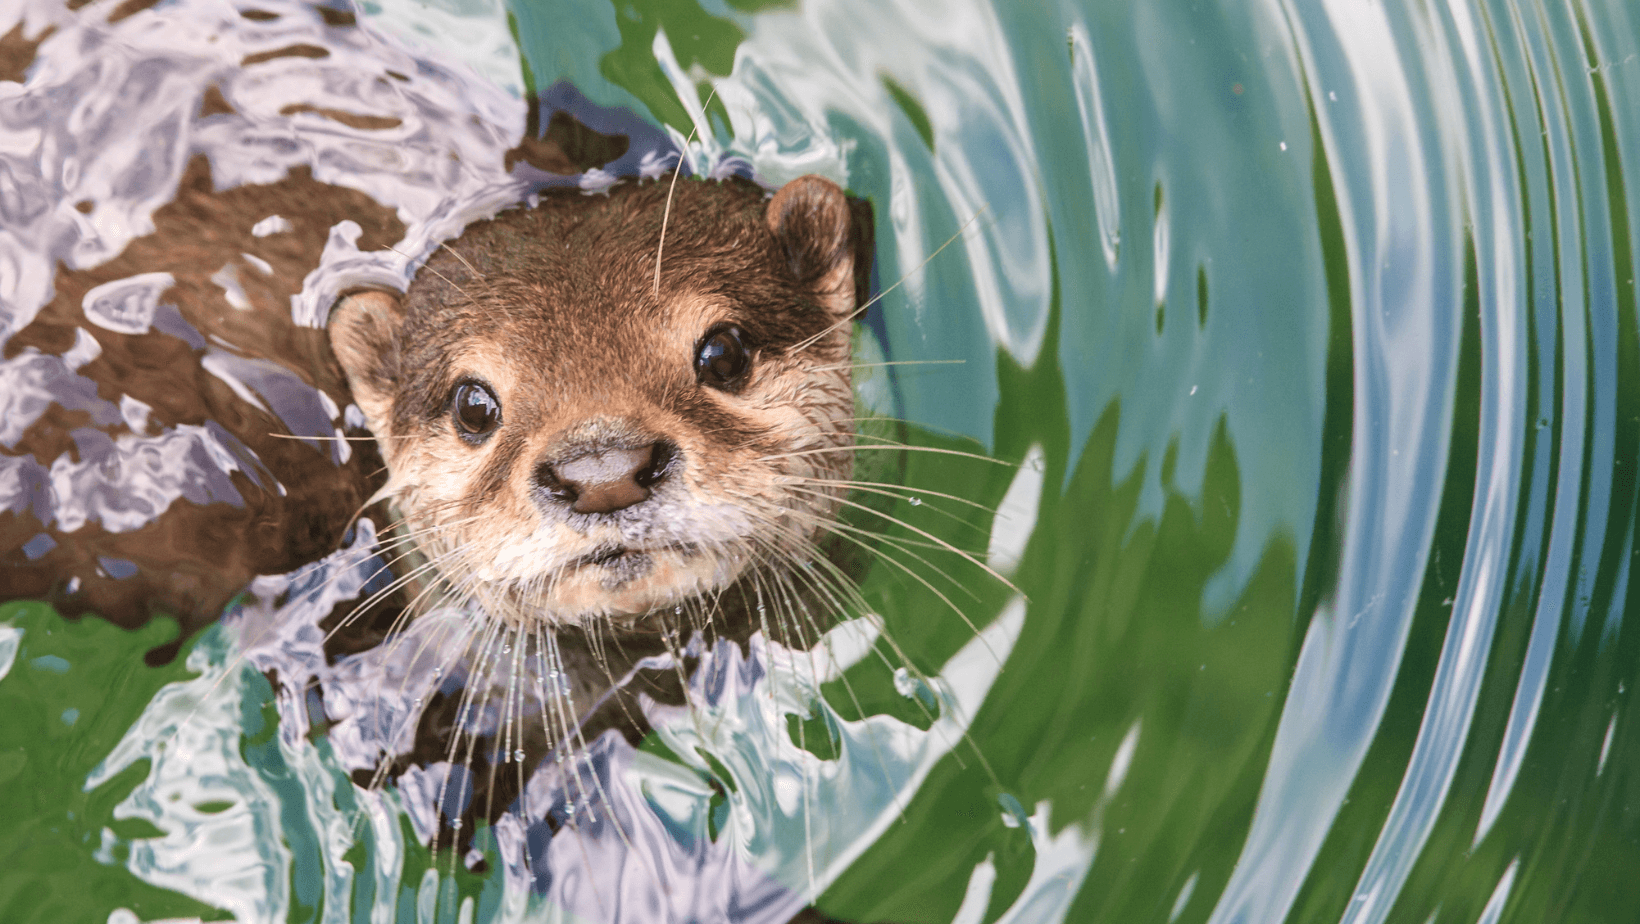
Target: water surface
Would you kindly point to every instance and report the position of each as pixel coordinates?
(1308, 332)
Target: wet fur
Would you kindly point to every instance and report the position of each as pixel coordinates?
(554, 305)
(195, 557)
(552, 308)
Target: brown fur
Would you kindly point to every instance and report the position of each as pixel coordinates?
(193, 559)
(17, 52)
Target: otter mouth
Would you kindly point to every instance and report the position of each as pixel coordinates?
(622, 564)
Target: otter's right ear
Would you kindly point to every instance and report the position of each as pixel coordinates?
(364, 328)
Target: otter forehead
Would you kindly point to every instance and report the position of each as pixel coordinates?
(585, 265)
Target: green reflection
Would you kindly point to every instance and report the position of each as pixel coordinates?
(51, 829)
(696, 37)
(1115, 646)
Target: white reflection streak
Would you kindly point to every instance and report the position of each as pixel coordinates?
(11, 638)
(189, 732)
(1534, 675)
(704, 151)
(1458, 676)
(959, 67)
(906, 217)
(1016, 515)
(1101, 162)
(1500, 895)
(1351, 652)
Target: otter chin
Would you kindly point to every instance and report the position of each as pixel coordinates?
(573, 435)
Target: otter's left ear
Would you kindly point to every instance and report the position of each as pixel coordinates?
(364, 327)
(827, 237)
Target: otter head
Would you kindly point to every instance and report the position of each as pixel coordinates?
(567, 441)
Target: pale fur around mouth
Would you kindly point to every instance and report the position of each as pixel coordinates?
(618, 565)
(618, 582)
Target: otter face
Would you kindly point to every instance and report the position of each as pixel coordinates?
(564, 442)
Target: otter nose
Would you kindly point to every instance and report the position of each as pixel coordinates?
(607, 480)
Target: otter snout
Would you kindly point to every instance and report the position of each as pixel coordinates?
(608, 479)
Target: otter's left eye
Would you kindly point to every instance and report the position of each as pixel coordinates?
(721, 360)
(476, 411)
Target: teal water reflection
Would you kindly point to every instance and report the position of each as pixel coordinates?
(1324, 316)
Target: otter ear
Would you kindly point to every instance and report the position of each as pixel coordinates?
(827, 239)
(364, 328)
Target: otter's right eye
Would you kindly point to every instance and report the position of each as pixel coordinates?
(475, 410)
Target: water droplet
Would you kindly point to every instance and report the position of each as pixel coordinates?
(677, 611)
(518, 755)
(916, 502)
(506, 649)
(438, 672)
(904, 683)
(455, 823)
(416, 704)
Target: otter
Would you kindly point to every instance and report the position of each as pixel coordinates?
(601, 421)
(591, 459)
(571, 435)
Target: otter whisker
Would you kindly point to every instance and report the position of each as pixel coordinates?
(666, 215)
(913, 497)
(503, 735)
(934, 590)
(895, 362)
(430, 269)
(905, 493)
(879, 296)
(900, 544)
(858, 448)
(569, 706)
(414, 541)
(930, 537)
(229, 670)
(352, 439)
(457, 254)
(783, 578)
(463, 712)
(850, 589)
(563, 738)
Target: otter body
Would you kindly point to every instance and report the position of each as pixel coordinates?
(467, 499)
(163, 339)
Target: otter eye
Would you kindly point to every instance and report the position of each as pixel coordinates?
(721, 360)
(476, 411)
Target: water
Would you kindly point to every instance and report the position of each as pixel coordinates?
(1310, 328)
